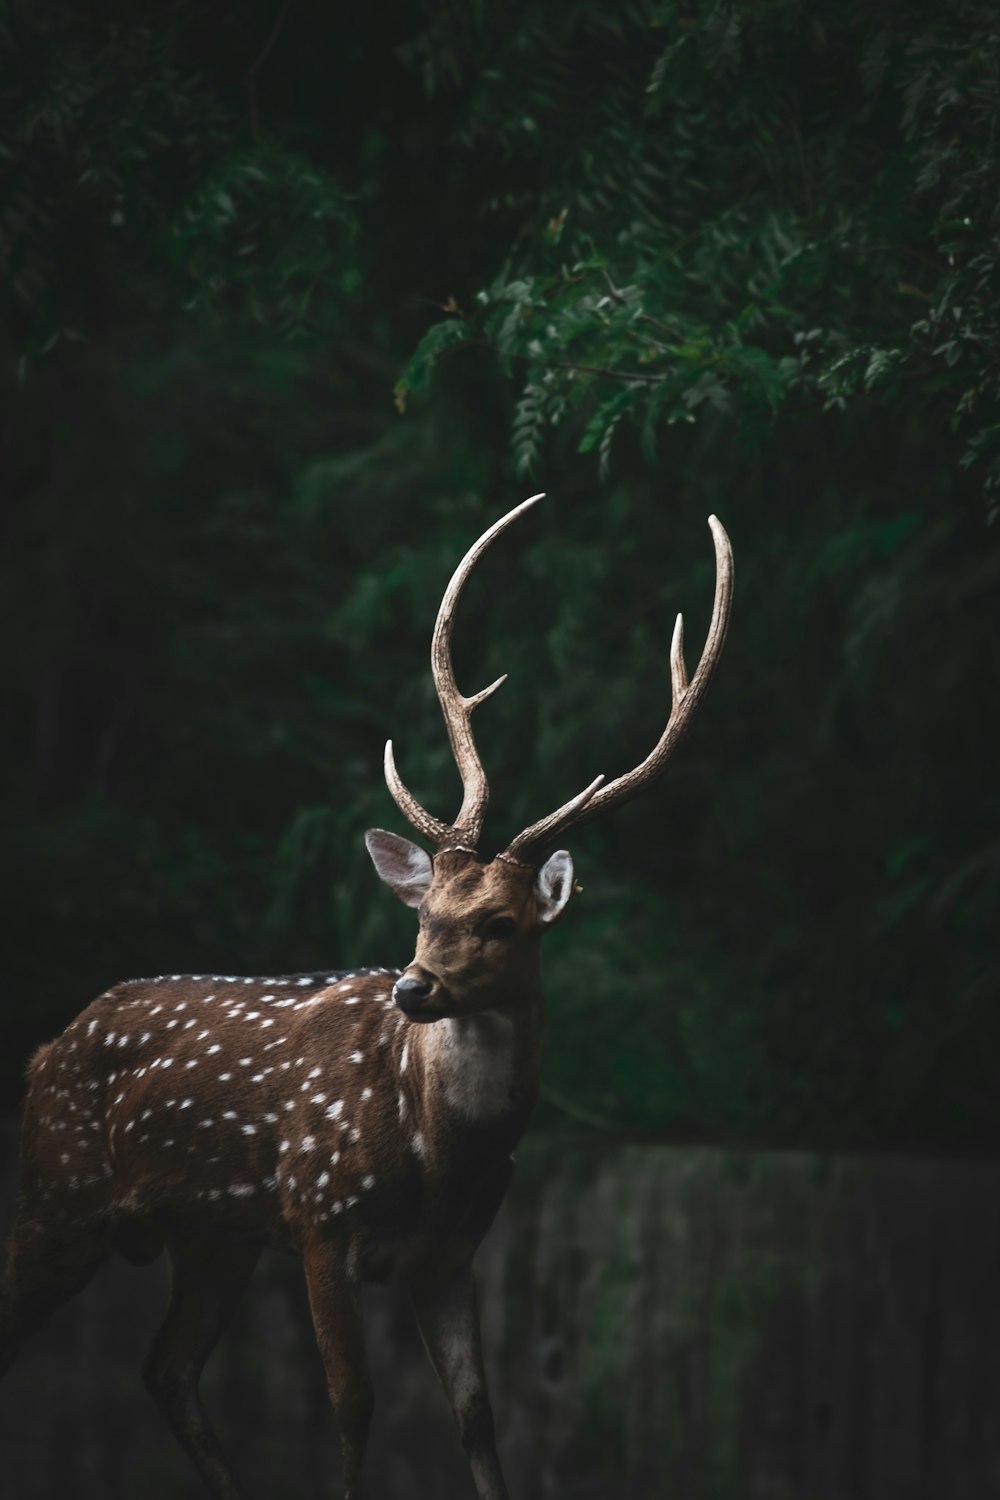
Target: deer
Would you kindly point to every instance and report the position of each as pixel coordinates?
(364, 1119)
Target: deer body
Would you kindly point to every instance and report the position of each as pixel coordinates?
(364, 1119)
(267, 1107)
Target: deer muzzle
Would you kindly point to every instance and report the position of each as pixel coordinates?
(418, 994)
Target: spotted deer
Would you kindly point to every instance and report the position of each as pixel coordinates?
(363, 1118)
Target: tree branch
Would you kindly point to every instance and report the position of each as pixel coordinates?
(646, 317)
(564, 364)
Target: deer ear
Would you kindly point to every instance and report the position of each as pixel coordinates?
(554, 885)
(406, 868)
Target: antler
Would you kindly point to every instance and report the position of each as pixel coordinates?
(457, 712)
(685, 699)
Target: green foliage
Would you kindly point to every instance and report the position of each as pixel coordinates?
(764, 211)
(436, 341)
(268, 233)
(121, 161)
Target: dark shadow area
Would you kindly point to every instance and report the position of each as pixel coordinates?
(659, 1321)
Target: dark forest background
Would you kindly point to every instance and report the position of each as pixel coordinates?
(297, 298)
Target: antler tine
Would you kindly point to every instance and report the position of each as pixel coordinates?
(424, 822)
(457, 711)
(685, 699)
(546, 828)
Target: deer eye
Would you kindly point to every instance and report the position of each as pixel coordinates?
(499, 929)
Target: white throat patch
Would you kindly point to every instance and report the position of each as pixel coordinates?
(474, 1057)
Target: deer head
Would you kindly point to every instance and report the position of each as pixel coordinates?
(481, 922)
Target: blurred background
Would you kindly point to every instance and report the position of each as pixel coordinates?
(297, 299)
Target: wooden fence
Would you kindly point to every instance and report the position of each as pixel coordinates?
(686, 1323)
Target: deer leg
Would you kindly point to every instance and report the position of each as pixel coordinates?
(209, 1277)
(46, 1265)
(449, 1324)
(335, 1300)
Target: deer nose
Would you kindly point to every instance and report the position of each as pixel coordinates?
(409, 992)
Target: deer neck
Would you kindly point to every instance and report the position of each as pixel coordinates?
(483, 1068)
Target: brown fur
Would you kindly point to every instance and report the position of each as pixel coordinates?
(470, 969)
(216, 1115)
